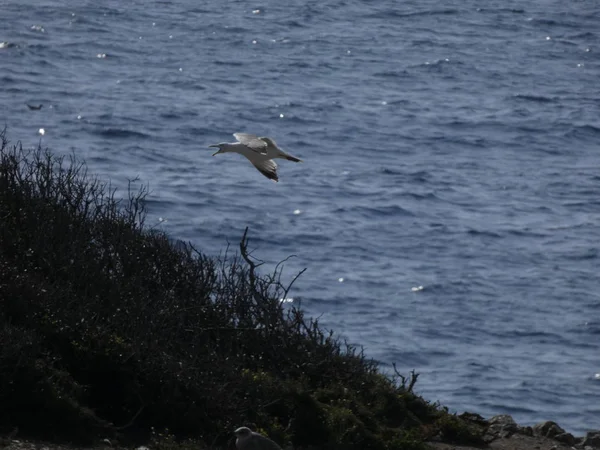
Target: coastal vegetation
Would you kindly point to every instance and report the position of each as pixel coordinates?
(110, 330)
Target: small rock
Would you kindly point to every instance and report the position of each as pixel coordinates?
(503, 419)
(549, 429)
(501, 426)
(475, 418)
(592, 439)
(567, 438)
(505, 433)
(490, 435)
(527, 431)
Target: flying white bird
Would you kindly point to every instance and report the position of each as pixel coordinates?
(249, 440)
(260, 151)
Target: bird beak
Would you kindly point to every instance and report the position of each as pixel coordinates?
(216, 146)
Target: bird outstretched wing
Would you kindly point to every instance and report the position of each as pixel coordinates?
(268, 168)
(252, 142)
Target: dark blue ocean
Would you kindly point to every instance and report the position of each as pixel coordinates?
(448, 206)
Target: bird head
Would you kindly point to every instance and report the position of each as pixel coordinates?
(243, 432)
(220, 147)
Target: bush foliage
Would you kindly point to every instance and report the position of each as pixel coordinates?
(107, 328)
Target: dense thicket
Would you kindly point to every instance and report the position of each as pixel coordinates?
(107, 328)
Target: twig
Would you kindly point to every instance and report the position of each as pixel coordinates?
(413, 378)
(286, 290)
(244, 253)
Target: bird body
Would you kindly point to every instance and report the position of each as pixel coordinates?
(249, 440)
(260, 151)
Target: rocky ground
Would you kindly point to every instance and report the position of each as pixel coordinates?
(499, 433)
(503, 433)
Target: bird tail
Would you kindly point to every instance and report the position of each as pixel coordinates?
(292, 158)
